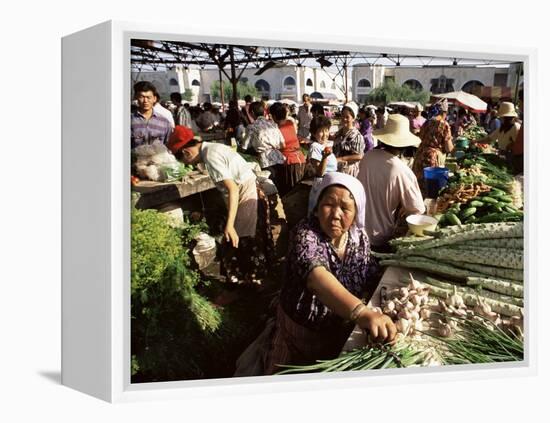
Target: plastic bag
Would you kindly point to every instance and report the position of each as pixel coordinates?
(174, 171)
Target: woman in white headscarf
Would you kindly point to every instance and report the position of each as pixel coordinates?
(329, 271)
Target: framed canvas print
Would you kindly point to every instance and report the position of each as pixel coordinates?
(246, 214)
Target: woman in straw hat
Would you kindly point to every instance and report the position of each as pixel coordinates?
(391, 189)
(507, 133)
(436, 141)
(329, 270)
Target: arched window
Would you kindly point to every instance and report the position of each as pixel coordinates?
(244, 80)
(309, 83)
(195, 83)
(289, 83)
(363, 83)
(470, 86)
(322, 84)
(413, 84)
(263, 87)
(174, 81)
(442, 85)
(333, 85)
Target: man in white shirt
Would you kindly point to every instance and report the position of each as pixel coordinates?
(391, 188)
(165, 113)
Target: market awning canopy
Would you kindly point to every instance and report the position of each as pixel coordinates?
(468, 101)
(232, 60)
(155, 54)
(407, 104)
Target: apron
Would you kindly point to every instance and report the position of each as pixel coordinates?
(247, 212)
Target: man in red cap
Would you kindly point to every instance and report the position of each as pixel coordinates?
(179, 139)
(233, 176)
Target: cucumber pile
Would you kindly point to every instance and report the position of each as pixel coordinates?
(493, 206)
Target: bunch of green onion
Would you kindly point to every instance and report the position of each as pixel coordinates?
(480, 341)
(366, 358)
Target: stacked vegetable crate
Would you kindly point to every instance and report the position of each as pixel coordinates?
(481, 260)
(481, 191)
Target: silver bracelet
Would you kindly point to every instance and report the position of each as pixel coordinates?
(356, 312)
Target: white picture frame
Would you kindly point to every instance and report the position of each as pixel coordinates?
(96, 89)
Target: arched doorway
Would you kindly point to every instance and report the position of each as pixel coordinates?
(263, 87)
(472, 86)
(413, 84)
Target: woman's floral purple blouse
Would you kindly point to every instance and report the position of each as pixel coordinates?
(310, 248)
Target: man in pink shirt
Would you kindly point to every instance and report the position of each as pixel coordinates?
(391, 188)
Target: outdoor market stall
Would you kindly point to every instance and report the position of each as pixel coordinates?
(477, 265)
(465, 100)
(433, 285)
(464, 284)
(451, 289)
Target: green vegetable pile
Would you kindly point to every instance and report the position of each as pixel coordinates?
(493, 206)
(367, 358)
(486, 250)
(167, 311)
(176, 171)
(474, 132)
(497, 205)
(481, 342)
(176, 331)
(493, 171)
(476, 341)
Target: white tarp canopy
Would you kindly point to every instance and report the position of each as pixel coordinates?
(466, 100)
(283, 100)
(288, 101)
(407, 104)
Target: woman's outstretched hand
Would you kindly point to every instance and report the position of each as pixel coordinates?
(380, 327)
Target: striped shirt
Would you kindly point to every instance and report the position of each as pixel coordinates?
(349, 142)
(145, 131)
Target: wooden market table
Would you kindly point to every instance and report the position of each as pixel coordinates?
(154, 194)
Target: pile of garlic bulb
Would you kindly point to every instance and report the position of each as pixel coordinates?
(483, 311)
(408, 307)
(454, 306)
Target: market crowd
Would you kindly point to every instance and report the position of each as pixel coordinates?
(366, 177)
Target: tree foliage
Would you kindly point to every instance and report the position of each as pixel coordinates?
(187, 95)
(243, 88)
(390, 91)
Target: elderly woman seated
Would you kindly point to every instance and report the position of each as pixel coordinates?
(329, 269)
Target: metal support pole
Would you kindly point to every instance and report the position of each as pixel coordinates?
(346, 80)
(221, 91)
(233, 75)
